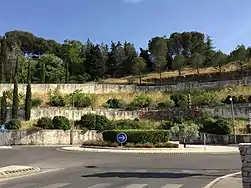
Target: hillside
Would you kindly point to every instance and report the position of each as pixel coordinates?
(230, 71)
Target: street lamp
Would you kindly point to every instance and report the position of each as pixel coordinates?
(232, 110)
(72, 125)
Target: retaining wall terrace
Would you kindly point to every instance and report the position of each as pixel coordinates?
(110, 88)
(49, 137)
(240, 111)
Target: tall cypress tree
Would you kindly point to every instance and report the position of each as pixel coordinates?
(3, 59)
(66, 72)
(3, 108)
(28, 94)
(15, 93)
(42, 74)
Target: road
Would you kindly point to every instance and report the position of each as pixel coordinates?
(110, 170)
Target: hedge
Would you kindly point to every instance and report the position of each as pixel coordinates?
(139, 136)
(98, 143)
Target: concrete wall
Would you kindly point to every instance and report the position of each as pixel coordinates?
(49, 137)
(240, 111)
(245, 152)
(110, 88)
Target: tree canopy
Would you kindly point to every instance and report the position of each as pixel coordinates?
(77, 62)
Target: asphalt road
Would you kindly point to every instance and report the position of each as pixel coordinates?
(111, 170)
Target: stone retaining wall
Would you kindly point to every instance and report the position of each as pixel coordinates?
(60, 137)
(240, 111)
(110, 88)
(49, 137)
(245, 151)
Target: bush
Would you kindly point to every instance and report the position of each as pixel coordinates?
(36, 102)
(127, 124)
(45, 123)
(100, 143)
(80, 99)
(204, 98)
(96, 122)
(166, 125)
(114, 103)
(139, 136)
(166, 104)
(141, 101)
(57, 100)
(216, 126)
(179, 99)
(61, 122)
(14, 124)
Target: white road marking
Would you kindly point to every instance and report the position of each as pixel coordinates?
(57, 185)
(172, 186)
(136, 186)
(101, 185)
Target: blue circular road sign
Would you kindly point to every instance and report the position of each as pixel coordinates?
(121, 138)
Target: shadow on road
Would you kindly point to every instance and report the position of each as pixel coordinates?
(141, 175)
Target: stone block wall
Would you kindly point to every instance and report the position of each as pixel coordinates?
(245, 151)
(240, 111)
(49, 137)
(110, 88)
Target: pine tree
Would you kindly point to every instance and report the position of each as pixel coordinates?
(3, 108)
(3, 59)
(28, 95)
(42, 79)
(15, 93)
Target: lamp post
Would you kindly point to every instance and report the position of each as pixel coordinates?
(72, 125)
(232, 110)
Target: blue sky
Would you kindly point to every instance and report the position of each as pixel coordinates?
(137, 21)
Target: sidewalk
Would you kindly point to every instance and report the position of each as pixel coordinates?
(231, 182)
(189, 149)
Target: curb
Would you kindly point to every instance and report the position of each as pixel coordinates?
(212, 183)
(6, 147)
(18, 172)
(139, 151)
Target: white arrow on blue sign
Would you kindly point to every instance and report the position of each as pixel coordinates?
(121, 138)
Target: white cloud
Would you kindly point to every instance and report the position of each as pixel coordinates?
(133, 1)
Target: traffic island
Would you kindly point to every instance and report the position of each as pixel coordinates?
(16, 170)
(245, 151)
(189, 150)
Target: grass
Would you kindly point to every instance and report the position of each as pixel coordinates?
(212, 96)
(27, 124)
(171, 74)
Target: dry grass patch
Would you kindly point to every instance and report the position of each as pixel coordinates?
(27, 124)
(168, 74)
(128, 97)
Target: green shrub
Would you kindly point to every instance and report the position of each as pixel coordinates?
(82, 100)
(141, 101)
(36, 102)
(99, 143)
(127, 124)
(45, 123)
(216, 126)
(166, 104)
(179, 99)
(57, 100)
(14, 124)
(166, 125)
(139, 136)
(96, 122)
(114, 103)
(204, 98)
(61, 122)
